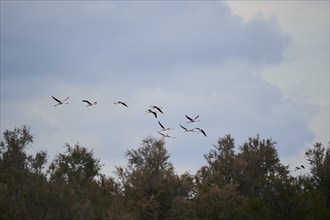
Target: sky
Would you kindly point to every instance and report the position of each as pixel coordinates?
(246, 68)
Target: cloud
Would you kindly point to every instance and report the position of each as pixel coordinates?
(193, 58)
(123, 38)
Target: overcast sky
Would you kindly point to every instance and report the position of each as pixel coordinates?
(245, 68)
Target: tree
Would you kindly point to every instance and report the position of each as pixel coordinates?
(259, 168)
(76, 165)
(217, 183)
(221, 164)
(319, 159)
(149, 183)
(248, 180)
(238, 182)
(23, 185)
(13, 156)
(74, 188)
(306, 201)
(113, 198)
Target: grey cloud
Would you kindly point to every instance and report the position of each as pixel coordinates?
(190, 57)
(78, 37)
(209, 38)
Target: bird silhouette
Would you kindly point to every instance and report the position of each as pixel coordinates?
(192, 120)
(150, 111)
(186, 129)
(122, 103)
(162, 126)
(202, 131)
(165, 135)
(60, 102)
(157, 108)
(89, 103)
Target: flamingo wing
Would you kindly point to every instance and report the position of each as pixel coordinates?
(161, 125)
(190, 119)
(66, 99)
(56, 99)
(123, 103)
(161, 133)
(184, 128)
(87, 102)
(203, 132)
(155, 114)
(159, 109)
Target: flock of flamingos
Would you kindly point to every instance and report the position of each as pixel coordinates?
(153, 110)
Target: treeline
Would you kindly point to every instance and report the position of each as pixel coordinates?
(245, 182)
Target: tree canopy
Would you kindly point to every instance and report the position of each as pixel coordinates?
(236, 182)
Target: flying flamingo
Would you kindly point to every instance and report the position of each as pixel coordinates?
(122, 103)
(163, 128)
(165, 135)
(89, 103)
(192, 120)
(186, 129)
(301, 167)
(202, 131)
(157, 108)
(150, 111)
(60, 102)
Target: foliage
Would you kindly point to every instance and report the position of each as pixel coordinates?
(149, 182)
(23, 188)
(237, 182)
(319, 159)
(76, 166)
